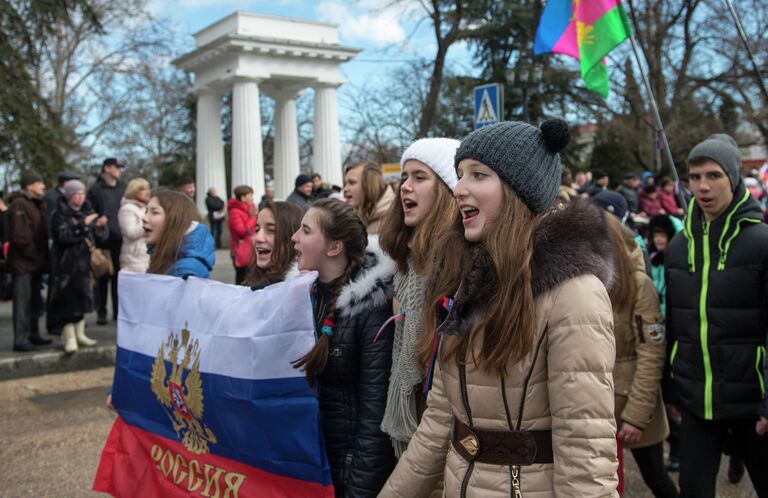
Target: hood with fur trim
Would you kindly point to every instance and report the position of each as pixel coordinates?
(293, 271)
(371, 286)
(569, 242)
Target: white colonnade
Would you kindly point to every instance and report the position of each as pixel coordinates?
(248, 54)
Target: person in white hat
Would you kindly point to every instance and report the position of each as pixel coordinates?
(424, 210)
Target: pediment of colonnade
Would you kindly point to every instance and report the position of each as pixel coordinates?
(276, 51)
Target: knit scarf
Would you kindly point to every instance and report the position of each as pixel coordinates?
(400, 415)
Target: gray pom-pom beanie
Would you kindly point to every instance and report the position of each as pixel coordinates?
(524, 156)
(724, 150)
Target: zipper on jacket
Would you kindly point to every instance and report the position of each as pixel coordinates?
(688, 232)
(465, 481)
(639, 327)
(724, 253)
(760, 366)
(672, 360)
(724, 250)
(704, 324)
(514, 471)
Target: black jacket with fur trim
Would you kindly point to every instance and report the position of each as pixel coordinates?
(352, 389)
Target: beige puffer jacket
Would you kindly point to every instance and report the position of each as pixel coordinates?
(382, 207)
(640, 353)
(570, 390)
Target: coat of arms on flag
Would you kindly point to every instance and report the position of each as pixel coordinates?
(209, 404)
(183, 399)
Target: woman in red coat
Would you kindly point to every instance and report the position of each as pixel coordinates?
(650, 204)
(241, 221)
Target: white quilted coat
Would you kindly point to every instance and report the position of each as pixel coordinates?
(133, 255)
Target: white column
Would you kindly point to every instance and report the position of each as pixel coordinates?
(247, 155)
(327, 148)
(210, 150)
(286, 144)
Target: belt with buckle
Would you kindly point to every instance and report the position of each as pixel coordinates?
(502, 447)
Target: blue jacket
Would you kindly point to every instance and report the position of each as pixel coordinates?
(197, 255)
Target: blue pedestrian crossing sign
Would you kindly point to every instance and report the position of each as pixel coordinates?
(489, 104)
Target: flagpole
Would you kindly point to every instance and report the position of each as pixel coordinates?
(743, 37)
(657, 117)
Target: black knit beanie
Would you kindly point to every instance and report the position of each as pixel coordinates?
(29, 177)
(525, 157)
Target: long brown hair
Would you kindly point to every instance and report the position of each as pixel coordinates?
(338, 222)
(287, 220)
(180, 212)
(505, 328)
(624, 290)
(373, 185)
(400, 240)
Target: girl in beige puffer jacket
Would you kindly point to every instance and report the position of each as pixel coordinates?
(640, 353)
(522, 395)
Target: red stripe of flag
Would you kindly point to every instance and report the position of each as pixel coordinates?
(137, 463)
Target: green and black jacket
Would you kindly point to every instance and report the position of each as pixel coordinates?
(717, 311)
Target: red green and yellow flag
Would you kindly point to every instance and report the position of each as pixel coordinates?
(586, 30)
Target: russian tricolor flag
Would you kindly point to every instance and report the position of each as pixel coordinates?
(209, 404)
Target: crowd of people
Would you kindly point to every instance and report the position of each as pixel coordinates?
(494, 326)
(76, 240)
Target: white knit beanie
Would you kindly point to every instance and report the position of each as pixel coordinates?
(437, 153)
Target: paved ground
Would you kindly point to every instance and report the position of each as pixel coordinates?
(53, 427)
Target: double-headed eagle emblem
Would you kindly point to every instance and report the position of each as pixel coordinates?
(181, 392)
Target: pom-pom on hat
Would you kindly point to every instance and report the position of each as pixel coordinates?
(524, 156)
(437, 153)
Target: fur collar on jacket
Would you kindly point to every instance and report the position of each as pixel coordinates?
(569, 242)
(371, 286)
(293, 272)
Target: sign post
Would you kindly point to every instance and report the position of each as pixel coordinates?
(489, 104)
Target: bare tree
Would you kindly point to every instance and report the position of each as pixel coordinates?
(84, 71)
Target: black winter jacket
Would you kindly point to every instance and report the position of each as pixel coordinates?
(106, 201)
(71, 288)
(717, 311)
(213, 204)
(50, 204)
(352, 389)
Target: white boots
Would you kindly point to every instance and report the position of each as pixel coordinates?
(73, 334)
(68, 339)
(83, 339)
